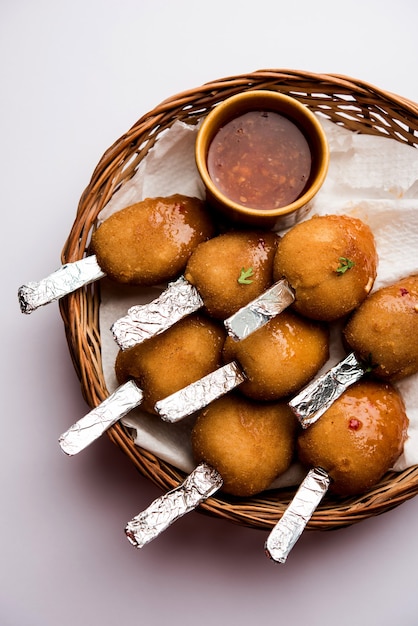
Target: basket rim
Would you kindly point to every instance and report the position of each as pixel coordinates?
(333, 95)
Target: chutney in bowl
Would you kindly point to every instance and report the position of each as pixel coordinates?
(262, 157)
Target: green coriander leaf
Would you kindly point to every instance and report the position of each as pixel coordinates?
(244, 277)
(345, 264)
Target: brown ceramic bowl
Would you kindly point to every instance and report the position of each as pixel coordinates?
(277, 211)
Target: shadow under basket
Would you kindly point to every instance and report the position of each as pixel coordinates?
(351, 103)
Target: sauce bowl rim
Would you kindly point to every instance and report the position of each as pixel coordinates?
(278, 102)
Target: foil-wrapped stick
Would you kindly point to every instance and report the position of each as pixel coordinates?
(127, 247)
(259, 311)
(101, 418)
(201, 483)
(199, 394)
(144, 321)
(65, 280)
(300, 510)
(312, 402)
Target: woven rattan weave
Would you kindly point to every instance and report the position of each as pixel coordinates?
(357, 106)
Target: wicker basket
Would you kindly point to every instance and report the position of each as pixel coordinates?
(351, 103)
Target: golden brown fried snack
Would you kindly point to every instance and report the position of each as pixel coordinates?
(384, 330)
(330, 261)
(150, 242)
(281, 357)
(358, 439)
(232, 269)
(167, 362)
(247, 443)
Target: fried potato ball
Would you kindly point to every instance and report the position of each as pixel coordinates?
(150, 242)
(232, 269)
(281, 357)
(358, 439)
(168, 362)
(383, 331)
(247, 443)
(331, 262)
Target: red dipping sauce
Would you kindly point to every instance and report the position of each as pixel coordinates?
(260, 159)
